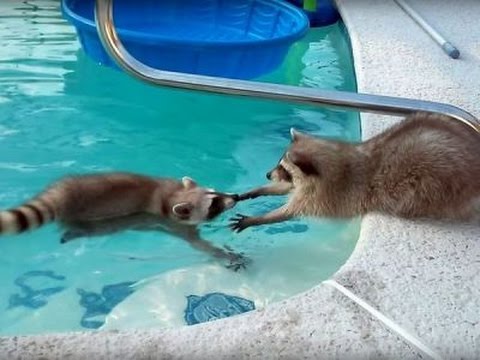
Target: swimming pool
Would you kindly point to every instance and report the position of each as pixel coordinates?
(61, 113)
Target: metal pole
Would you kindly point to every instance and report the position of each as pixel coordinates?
(318, 97)
(447, 46)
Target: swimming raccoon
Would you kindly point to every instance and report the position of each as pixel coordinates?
(425, 167)
(89, 205)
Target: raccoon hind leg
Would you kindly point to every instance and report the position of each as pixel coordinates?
(72, 234)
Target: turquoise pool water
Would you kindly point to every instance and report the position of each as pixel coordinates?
(60, 113)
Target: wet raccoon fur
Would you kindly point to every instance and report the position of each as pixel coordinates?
(93, 204)
(425, 167)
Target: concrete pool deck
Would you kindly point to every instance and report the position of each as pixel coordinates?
(425, 277)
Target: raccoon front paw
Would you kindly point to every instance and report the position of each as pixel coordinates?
(242, 197)
(238, 262)
(246, 196)
(240, 222)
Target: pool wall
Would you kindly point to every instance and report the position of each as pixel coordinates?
(422, 276)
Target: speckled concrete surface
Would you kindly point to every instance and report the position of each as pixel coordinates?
(423, 276)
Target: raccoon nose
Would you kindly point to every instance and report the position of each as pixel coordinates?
(269, 175)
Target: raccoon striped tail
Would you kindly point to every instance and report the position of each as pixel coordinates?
(26, 217)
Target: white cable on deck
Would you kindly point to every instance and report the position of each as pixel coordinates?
(426, 350)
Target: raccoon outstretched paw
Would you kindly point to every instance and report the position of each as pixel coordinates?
(239, 223)
(238, 262)
(245, 196)
(248, 196)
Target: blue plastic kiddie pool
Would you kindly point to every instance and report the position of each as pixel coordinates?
(229, 38)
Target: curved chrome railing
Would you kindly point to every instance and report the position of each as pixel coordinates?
(337, 99)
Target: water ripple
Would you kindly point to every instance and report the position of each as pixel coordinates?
(35, 41)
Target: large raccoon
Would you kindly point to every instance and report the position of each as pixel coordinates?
(425, 167)
(93, 204)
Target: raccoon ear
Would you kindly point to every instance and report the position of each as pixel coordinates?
(182, 210)
(295, 134)
(188, 182)
(303, 162)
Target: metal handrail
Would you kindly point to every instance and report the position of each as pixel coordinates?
(336, 99)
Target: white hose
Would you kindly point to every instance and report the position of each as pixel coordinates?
(426, 350)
